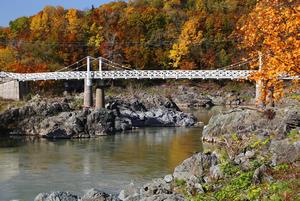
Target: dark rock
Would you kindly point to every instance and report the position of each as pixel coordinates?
(54, 119)
(136, 105)
(65, 125)
(25, 119)
(122, 124)
(164, 115)
(100, 122)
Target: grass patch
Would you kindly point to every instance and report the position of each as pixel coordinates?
(237, 185)
(180, 182)
(295, 97)
(293, 135)
(5, 104)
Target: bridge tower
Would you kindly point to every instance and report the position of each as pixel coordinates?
(259, 84)
(88, 87)
(100, 86)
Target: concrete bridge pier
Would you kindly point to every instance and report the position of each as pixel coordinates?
(259, 85)
(88, 86)
(100, 95)
(14, 90)
(88, 93)
(258, 94)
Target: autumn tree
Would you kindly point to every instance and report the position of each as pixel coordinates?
(189, 36)
(273, 29)
(138, 33)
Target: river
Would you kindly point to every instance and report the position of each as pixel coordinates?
(29, 166)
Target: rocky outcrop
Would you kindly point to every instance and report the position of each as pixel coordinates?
(56, 119)
(97, 195)
(246, 121)
(195, 167)
(91, 195)
(64, 125)
(23, 120)
(167, 114)
(57, 196)
(194, 172)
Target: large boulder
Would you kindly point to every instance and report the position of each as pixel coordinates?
(165, 114)
(80, 124)
(284, 151)
(64, 125)
(129, 193)
(57, 196)
(100, 122)
(156, 190)
(24, 120)
(156, 187)
(97, 195)
(246, 121)
(196, 166)
(164, 197)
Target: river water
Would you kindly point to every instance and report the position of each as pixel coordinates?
(29, 166)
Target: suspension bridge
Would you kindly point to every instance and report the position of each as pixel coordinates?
(84, 69)
(107, 69)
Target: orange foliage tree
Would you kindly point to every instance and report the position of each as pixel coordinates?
(273, 29)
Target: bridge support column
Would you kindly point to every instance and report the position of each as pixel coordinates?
(14, 90)
(88, 93)
(259, 85)
(258, 94)
(88, 86)
(100, 95)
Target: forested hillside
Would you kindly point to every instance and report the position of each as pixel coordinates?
(157, 34)
(144, 34)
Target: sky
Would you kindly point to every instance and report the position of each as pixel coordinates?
(12, 9)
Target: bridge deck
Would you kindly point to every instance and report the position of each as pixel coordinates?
(131, 74)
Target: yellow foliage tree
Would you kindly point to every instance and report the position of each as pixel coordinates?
(273, 29)
(7, 57)
(74, 23)
(189, 36)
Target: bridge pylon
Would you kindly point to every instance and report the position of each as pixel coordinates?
(88, 87)
(259, 85)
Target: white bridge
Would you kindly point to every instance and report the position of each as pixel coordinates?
(106, 69)
(130, 74)
(109, 70)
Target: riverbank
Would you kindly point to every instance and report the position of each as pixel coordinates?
(261, 163)
(125, 109)
(158, 106)
(253, 149)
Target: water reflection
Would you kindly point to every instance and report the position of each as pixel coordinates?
(204, 115)
(30, 166)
